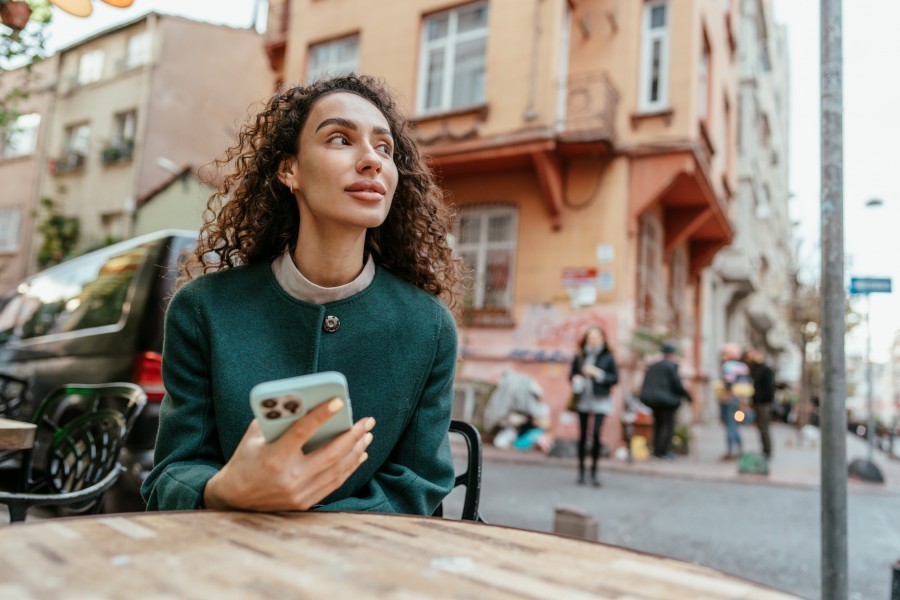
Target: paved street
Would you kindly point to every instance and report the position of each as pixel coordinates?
(702, 511)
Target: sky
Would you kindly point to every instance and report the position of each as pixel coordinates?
(872, 245)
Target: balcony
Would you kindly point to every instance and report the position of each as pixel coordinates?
(68, 163)
(117, 153)
(276, 34)
(590, 118)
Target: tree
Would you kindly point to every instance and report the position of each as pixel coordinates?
(806, 318)
(21, 45)
(60, 233)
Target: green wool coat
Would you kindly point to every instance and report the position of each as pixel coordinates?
(228, 331)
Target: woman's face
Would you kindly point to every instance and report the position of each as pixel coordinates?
(344, 174)
(594, 338)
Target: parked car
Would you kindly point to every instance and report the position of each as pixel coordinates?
(98, 318)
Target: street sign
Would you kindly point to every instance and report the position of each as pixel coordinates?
(870, 285)
(579, 276)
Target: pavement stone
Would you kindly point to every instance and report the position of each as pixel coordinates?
(795, 461)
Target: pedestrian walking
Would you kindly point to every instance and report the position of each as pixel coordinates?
(763, 395)
(326, 250)
(733, 388)
(663, 391)
(593, 375)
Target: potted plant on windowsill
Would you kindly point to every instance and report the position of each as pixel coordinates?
(117, 152)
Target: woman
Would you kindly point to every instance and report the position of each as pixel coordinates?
(592, 375)
(330, 253)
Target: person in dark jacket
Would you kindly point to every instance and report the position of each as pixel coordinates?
(592, 375)
(763, 395)
(662, 391)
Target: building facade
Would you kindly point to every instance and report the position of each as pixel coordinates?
(137, 102)
(587, 147)
(21, 161)
(750, 285)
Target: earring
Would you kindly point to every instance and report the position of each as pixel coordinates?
(291, 186)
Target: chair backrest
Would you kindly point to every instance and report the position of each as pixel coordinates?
(65, 406)
(75, 399)
(471, 477)
(13, 392)
(82, 453)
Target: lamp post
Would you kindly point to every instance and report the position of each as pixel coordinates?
(870, 392)
(866, 469)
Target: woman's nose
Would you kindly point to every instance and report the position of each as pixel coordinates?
(369, 160)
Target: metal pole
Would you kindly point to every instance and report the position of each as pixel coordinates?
(834, 385)
(870, 403)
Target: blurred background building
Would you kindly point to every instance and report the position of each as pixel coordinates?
(613, 162)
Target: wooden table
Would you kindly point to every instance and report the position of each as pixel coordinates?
(212, 554)
(16, 435)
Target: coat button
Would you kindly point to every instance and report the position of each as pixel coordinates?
(331, 324)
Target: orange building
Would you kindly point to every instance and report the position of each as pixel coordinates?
(586, 145)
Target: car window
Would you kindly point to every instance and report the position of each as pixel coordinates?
(91, 291)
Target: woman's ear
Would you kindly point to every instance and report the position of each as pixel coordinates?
(287, 172)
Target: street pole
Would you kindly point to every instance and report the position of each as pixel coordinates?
(834, 385)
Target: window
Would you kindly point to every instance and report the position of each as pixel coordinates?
(21, 136)
(78, 139)
(337, 57)
(651, 293)
(678, 287)
(139, 48)
(9, 229)
(452, 63)
(83, 293)
(655, 57)
(123, 130)
(75, 149)
(703, 81)
(487, 243)
(121, 146)
(90, 67)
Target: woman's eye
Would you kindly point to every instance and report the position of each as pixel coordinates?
(385, 148)
(339, 140)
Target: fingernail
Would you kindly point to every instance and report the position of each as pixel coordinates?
(370, 424)
(368, 439)
(335, 405)
(363, 457)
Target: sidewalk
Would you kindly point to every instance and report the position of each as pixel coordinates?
(794, 462)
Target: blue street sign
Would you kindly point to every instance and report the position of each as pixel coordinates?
(870, 285)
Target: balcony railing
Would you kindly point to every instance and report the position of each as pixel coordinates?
(591, 101)
(67, 163)
(119, 152)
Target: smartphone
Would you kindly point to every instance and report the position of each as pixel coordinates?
(277, 404)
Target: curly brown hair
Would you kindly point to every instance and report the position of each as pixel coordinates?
(253, 217)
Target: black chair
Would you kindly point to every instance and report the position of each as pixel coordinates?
(80, 434)
(471, 477)
(13, 393)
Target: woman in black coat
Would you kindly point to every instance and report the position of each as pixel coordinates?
(592, 375)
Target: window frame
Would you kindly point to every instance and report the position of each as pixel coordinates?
(88, 74)
(651, 297)
(10, 224)
(481, 248)
(649, 35)
(143, 41)
(331, 68)
(449, 44)
(16, 133)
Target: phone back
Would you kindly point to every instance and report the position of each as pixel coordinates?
(277, 404)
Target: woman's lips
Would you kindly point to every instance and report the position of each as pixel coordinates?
(367, 191)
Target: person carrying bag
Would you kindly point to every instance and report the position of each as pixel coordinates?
(662, 391)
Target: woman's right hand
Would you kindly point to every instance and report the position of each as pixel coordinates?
(279, 475)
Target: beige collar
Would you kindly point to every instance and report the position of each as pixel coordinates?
(294, 283)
